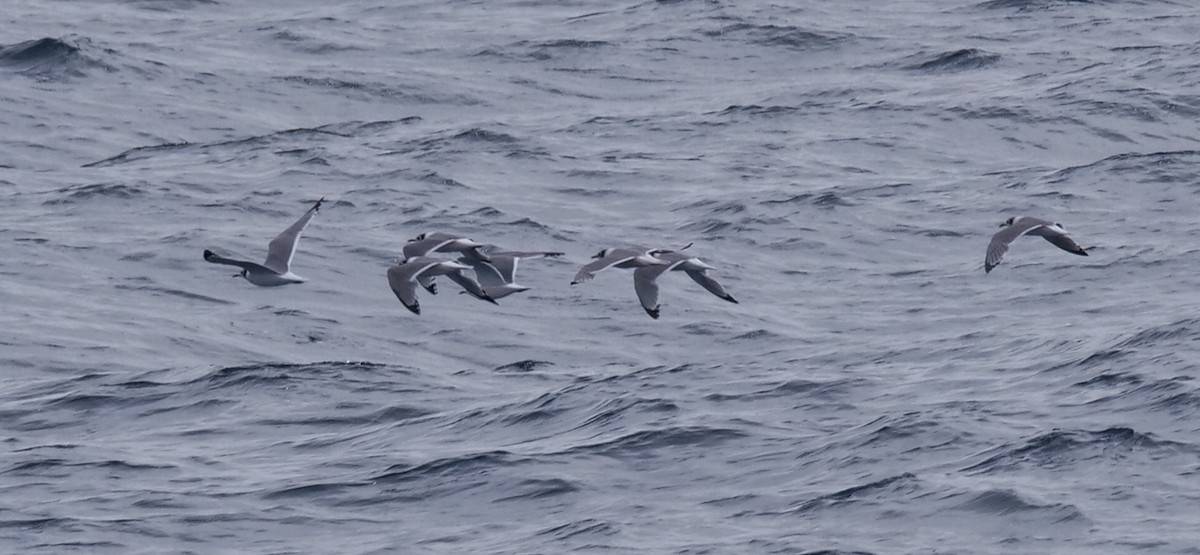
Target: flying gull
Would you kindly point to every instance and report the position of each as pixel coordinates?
(1025, 225)
(645, 279)
(403, 279)
(277, 268)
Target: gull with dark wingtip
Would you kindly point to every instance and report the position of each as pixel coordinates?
(276, 270)
(403, 279)
(438, 241)
(645, 279)
(1025, 225)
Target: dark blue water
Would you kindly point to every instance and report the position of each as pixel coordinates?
(842, 165)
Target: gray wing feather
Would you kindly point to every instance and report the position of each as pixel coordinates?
(645, 282)
(215, 258)
(488, 274)
(588, 271)
(401, 281)
(713, 286)
(1000, 241)
(283, 246)
(1063, 241)
(470, 285)
(506, 262)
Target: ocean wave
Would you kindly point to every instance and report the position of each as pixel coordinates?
(1002, 502)
(965, 59)
(52, 59)
(1064, 449)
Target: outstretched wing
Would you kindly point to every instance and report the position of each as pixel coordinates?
(487, 273)
(713, 286)
(1000, 241)
(282, 247)
(645, 283)
(215, 258)
(470, 285)
(506, 262)
(588, 271)
(1060, 239)
(400, 278)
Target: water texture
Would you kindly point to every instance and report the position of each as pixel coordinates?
(841, 164)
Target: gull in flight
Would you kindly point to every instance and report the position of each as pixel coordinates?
(437, 241)
(277, 268)
(1025, 225)
(403, 279)
(618, 258)
(498, 277)
(645, 279)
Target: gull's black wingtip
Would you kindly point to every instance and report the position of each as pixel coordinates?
(653, 312)
(209, 254)
(415, 308)
(730, 299)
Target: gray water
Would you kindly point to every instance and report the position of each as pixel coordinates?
(842, 165)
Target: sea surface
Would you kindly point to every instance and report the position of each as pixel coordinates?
(842, 166)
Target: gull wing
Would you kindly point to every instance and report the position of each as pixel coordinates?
(403, 281)
(1000, 241)
(645, 283)
(470, 285)
(506, 262)
(487, 273)
(713, 286)
(1060, 239)
(215, 258)
(588, 271)
(282, 247)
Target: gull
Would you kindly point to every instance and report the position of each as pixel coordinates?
(403, 279)
(277, 268)
(1025, 225)
(618, 258)
(498, 277)
(437, 241)
(645, 279)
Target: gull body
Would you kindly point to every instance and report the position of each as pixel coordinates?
(403, 279)
(437, 241)
(645, 279)
(276, 270)
(1025, 225)
(618, 258)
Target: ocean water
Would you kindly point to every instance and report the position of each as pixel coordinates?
(842, 165)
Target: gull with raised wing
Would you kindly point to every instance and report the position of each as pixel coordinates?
(645, 279)
(403, 279)
(498, 277)
(277, 268)
(1025, 225)
(618, 258)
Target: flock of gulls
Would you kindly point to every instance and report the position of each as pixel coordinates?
(495, 270)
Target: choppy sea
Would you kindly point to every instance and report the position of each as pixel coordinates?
(842, 165)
